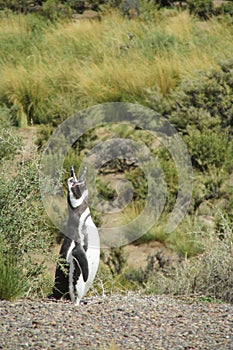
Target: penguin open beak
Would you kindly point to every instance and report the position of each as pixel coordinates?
(73, 179)
(72, 174)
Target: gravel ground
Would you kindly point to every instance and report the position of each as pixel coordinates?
(130, 321)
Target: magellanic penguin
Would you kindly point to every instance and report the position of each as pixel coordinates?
(80, 251)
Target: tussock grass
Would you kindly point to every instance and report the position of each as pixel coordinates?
(50, 70)
(208, 273)
(188, 239)
(182, 25)
(156, 233)
(12, 280)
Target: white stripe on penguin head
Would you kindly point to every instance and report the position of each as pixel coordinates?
(77, 202)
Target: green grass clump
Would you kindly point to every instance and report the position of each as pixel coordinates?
(13, 282)
(209, 273)
(188, 239)
(25, 233)
(155, 233)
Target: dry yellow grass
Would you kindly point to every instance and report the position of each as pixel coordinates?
(12, 25)
(181, 25)
(76, 64)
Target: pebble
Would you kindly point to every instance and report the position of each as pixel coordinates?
(115, 322)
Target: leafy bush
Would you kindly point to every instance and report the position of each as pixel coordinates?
(209, 273)
(111, 276)
(19, 6)
(55, 9)
(13, 281)
(142, 276)
(9, 144)
(201, 8)
(205, 100)
(130, 8)
(206, 149)
(115, 259)
(44, 134)
(201, 110)
(24, 230)
(225, 8)
(6, 119)
(188, 239)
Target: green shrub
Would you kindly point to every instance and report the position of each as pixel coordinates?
(225, 8)
(111, 276)
(207, 148)
(105, 190)
(115, 259)
(55, 9)
(187, 240)
(201, 110)
(24, 229)
(201, 8)
(6, 119)
(130, 8)
(9, 143)
(13, 281)
(209, 273)
(205, 100)
(18, 6)
(142, 276)
(44, 134)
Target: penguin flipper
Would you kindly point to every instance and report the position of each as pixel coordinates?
(80, 256)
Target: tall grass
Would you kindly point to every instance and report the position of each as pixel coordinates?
(13, 282)
(209, 273)
(155, 233)
(50, 70)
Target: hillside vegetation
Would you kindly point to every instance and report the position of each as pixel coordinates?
(165, 59)
(48, 70)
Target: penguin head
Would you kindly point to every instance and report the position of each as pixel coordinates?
(77, 189)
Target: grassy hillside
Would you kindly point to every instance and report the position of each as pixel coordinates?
(168, 60)
(48, 71)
